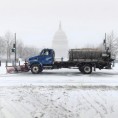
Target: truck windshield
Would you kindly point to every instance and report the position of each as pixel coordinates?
(44, 52)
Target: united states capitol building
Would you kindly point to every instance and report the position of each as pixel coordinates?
(60, 43)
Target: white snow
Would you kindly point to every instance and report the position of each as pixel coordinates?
(64, 93)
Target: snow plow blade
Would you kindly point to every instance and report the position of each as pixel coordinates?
(16, 69)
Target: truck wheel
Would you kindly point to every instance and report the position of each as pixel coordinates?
(87, 69)
(35, 69)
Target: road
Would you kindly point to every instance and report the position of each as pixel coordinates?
(61, 93)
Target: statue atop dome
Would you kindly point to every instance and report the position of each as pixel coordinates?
(60, 43)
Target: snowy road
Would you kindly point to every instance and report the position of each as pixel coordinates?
(61, 93)
(63, 77)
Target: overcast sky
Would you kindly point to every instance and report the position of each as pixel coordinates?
(36, 21)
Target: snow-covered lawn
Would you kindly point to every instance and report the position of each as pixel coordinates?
(61, 93)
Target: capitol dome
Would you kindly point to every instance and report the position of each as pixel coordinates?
(60, 43)
(60, 36)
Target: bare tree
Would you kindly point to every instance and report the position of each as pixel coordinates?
(112, 43)
(20, 48)
(9, 39)
(2, 46)
(6, 45)
(29, 51)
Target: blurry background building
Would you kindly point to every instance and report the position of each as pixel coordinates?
(60, 43)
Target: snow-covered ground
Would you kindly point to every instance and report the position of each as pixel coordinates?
(64, 93)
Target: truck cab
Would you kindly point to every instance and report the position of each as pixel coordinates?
(44, 59)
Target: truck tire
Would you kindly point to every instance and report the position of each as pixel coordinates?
(87, 69)
(35, 69)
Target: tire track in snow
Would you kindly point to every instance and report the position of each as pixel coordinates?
(91, 105)
(55, 102)
(99, 102)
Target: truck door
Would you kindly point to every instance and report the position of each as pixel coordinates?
(47, 57)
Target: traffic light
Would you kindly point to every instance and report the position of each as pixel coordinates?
(14, 48)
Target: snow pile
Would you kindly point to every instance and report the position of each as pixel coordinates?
(3, 68)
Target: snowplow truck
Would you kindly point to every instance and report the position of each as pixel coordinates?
(86, 60)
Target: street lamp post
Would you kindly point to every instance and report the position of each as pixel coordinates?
(15, 48)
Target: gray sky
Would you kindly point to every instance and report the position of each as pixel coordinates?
(36, 21)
